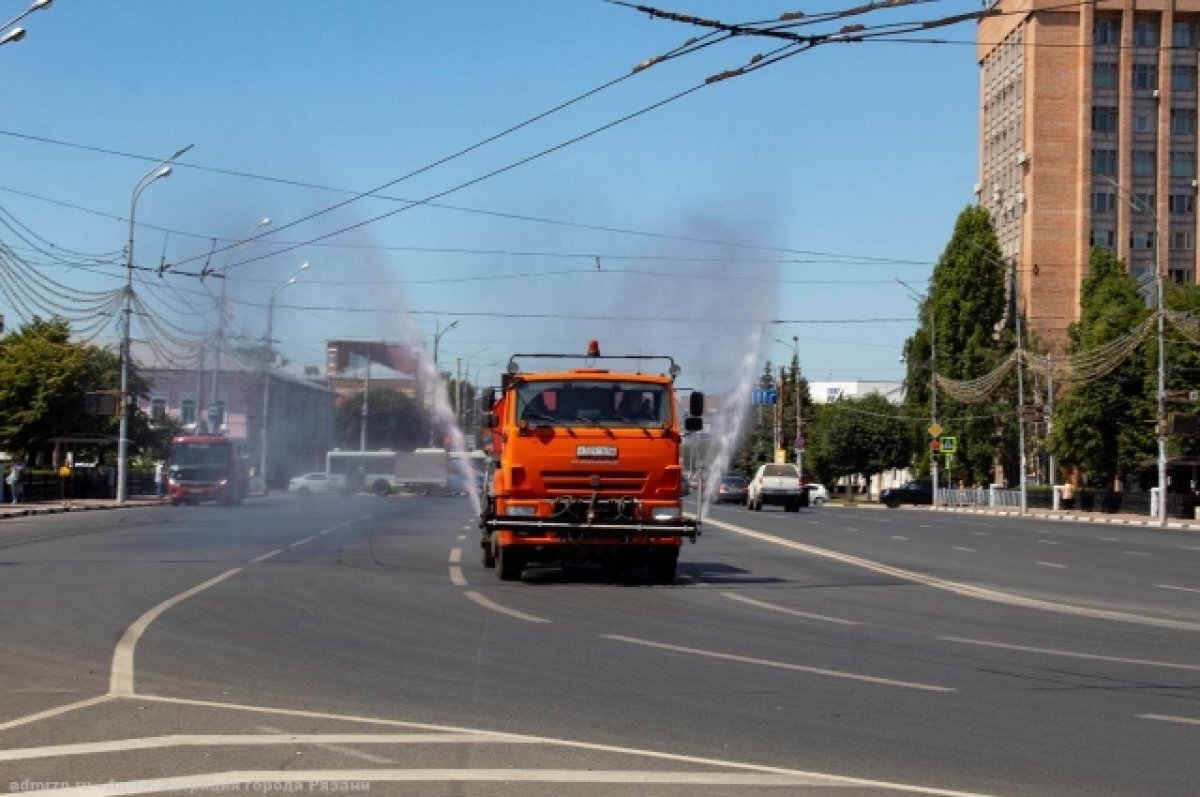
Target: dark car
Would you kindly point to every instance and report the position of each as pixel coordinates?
(732, 490)
(917, 491)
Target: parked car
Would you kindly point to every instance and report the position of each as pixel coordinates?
(777, 485)
(817, 494)
(732, 490)
(309, 483)
(917, 491)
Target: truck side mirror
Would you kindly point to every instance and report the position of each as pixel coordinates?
(693, 423)
(489, 399)
(489, 420)
(696, 404)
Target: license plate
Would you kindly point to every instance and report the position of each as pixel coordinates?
(596, 452)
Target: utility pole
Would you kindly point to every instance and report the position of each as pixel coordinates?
(362, 430)
(1020, 394)
(799, 441)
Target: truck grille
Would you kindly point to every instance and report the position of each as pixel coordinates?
(609, 482)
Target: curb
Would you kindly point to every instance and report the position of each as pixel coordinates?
(33, 511)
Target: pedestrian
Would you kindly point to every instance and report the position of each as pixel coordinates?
(160, 479)
(14, 481)
(1068, 496)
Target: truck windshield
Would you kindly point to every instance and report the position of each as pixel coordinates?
(610, 403)
(199, 455)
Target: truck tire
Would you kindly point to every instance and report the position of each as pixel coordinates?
(660, 567)
(489, 558)
(381, 488)
(793, 506)
(509, 563)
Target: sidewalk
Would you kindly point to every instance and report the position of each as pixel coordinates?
(31, 508)
(1062, 515)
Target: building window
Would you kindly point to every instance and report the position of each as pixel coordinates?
(1106, 31)
(1181, 204)
(1182, 276)
(1143, 203)
(1183, 77)
(1145, 76)
(217, 411)
(1183, 240)
(158, 409)
(1104, 75)
(1183, 34)
(1103, 202)
(1141, 122)
(187, 412)
(1145, 33)
(1143, 163)
(1183, 164)
(1103, 238)
(1104, 162)
(1141, 239)
(1104, 119)
(1183, 121)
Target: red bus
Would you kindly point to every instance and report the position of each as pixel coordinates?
(207, 467)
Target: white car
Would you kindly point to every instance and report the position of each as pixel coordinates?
(309, 483)
(777, 485)
(817, 494)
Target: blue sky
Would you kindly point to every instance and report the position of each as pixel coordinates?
(852, 151)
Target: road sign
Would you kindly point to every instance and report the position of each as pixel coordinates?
(1033, 413)
(1181, 395)
(935, 429)
(949, 445)
(763, 395)
(799, 442)
(934, 445)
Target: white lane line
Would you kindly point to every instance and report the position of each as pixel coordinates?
(1055, 565)
(964, 549)
(298, 543)
(1190, 547)
(981, 534)
(1048, 542)
(1180, 589)
(851, 528)
(1168, 718)
(456, 576)
(266, 556)
(784, 610)
(1070, 654)
(898, 537)
(455, 555)
(327, 744)
(959, 588)
(780, 665)
(495, 607)
(1108, 539)
(323, 532)
(923, 526)
(313, 780)
(121, 680)
(54, 712)
(1135, 553)
(636, 752)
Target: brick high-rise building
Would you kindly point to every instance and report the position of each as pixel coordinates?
(1088, 138)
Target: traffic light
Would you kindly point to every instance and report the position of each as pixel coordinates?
(935, 445)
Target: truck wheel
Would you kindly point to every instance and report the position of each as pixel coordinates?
(381, 488)
(509, 563)
(489, 559)
(793, 506)
(660, 569)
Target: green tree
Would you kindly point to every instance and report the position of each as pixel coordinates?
(1100, 426)
(860, 436)
(756, 446)
(393, 421)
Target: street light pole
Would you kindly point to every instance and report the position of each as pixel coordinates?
(160, 170)
(267, 361)
(16, 34)
(437, 376)
(221, 311)
(362, 428)
(933, 460)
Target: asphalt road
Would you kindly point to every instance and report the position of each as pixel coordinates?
(326, 645)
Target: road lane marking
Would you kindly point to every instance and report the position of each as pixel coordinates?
(1055, 565)
(495, 607)
(1168, 718)
(1108, 539)
(301, 780)
(1190, 547)
(923, 526)
(1070, 654)
(783, 609)
(1135, 553)
(981, 534)
(780, 665)
(959, 588)
(455, 555)
(54, 712)
(266, 556)
(340, 749)
(298, 543)
(1048, 542)
(1181, 589)
(513, 738)
(898, 537)
(964, 549)
(121, 679)
(456, 576)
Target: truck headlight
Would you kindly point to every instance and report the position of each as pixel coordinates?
(521, 511)
(666, 512)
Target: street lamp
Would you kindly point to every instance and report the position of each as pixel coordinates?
(221, 309)
(269, 356)
(799, 439)
(437, 376)
(159, 171)
(933, 463)
(16, 34)
(1161, 425)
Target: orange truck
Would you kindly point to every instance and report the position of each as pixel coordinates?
(585, 466)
